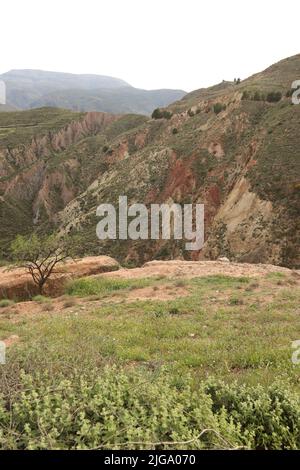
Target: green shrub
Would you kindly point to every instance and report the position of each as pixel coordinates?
(175, 131)
(218, 107)
(174, 311)
(167, 114)
(156, 114)
(257, 96)
(271, 416)
(93, 286)
(6, 303)
(41, 299)
(274, 96)
(161, 114)
(116, 408)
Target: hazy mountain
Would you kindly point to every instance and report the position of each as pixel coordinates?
(6, 107)
(118, 100)
(28, 89)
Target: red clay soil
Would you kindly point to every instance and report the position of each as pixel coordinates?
(17, 284)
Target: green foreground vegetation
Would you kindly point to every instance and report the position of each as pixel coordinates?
(211, 369)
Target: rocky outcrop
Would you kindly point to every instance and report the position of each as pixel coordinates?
(24, 157)
(241, 227)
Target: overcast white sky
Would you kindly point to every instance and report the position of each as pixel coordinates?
(151, 44)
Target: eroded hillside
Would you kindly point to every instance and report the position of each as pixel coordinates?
(233, 147)
(47, 158)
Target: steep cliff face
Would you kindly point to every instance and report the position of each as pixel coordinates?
(29, 89)
(233, 147)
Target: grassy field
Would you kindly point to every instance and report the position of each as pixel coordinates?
(234, 330)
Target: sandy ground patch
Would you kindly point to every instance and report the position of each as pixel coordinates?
(164, 292)
(190, 269)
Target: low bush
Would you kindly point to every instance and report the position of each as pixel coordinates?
(235, 301)
(218, 107)
(246, 95)
(258, 96)
(141, 410)
(161, 114)
(41, 299)
(274, 96)
(270, 416)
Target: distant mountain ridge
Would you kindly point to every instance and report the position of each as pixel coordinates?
(28, 89)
